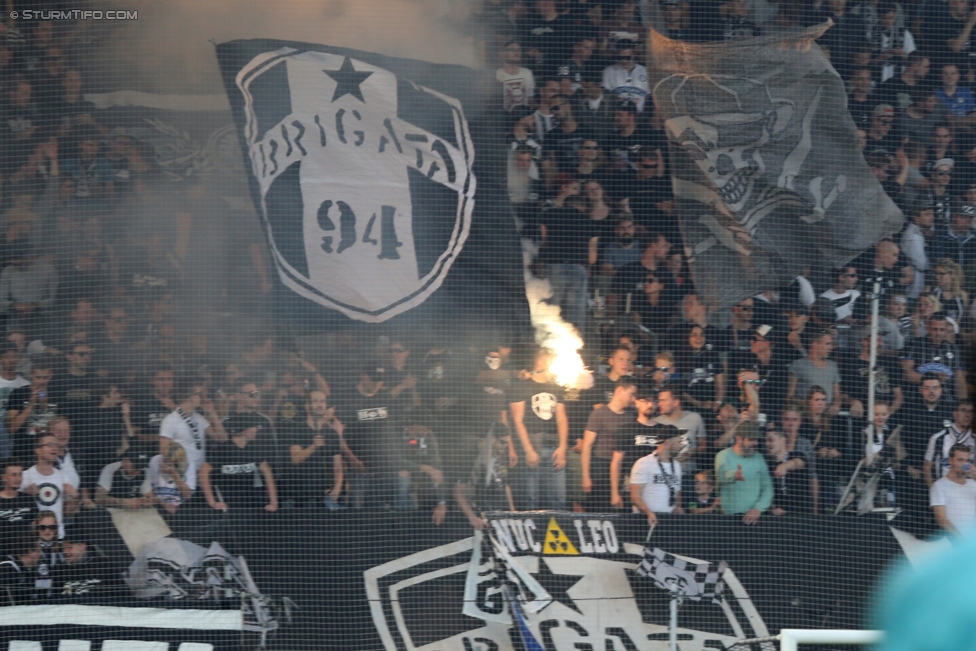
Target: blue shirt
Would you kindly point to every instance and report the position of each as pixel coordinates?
(960, 104)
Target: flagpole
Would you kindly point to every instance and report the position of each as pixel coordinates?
(673, 626)
(873, 361)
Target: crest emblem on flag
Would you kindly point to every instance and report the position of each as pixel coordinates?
(502, 584)
(365, 179)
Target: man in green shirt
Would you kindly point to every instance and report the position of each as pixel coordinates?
(743, 478)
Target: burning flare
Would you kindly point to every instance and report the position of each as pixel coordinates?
(556, 336)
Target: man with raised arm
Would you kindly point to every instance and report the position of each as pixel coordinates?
(743, 477)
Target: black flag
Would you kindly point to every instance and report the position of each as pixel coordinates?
(379, 185)
(766, 168)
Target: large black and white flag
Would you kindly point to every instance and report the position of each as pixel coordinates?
(695, 581)
(364, 169)
(766, 168)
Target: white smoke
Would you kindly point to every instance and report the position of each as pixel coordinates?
(554, 334)
(169, 50)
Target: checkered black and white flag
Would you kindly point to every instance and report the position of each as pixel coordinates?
(695, 581)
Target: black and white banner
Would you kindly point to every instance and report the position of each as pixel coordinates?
(395, 582)
(362, 168)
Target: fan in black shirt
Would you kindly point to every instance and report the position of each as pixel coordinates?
(16, 508)
(237, 468)
(314, 450)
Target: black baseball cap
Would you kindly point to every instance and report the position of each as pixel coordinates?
(628, 105)
(374, 370)
(663, 432)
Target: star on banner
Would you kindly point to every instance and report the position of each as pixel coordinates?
(347, 81)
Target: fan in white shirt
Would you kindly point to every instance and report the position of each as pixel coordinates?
(953, 498)
(190, 429)
(655, 480)
(626, 79)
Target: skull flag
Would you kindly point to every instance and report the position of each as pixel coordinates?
(766, 170)
(362, 168)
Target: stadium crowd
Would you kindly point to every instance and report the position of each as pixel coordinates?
(111, 402)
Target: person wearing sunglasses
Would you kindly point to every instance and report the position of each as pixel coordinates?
(45, 529)
(625, 77)
(838, 303)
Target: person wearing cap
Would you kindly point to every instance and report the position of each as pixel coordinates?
(120, 484)
(957, 241)
(518, 83)
(676, 19)
(655, 479)
(745, 485)
(916, 241)
(761, 373)
(632, 137)
(626, 78)
(239, 470)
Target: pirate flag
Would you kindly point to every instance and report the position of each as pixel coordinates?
(766, 170)
(375, 182)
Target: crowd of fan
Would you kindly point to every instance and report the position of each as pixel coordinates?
(763, 417)
(589, 182)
